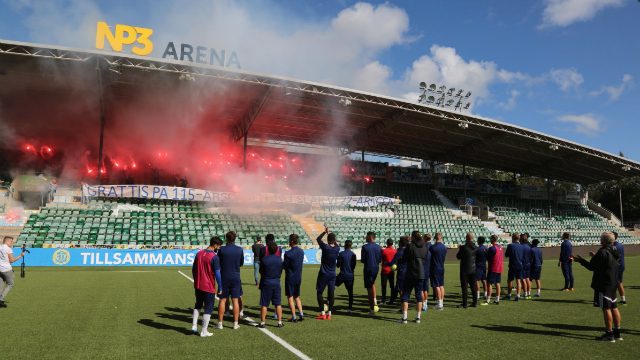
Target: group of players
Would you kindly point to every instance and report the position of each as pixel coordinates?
(412, 267)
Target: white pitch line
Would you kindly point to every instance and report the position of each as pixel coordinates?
(273, 336)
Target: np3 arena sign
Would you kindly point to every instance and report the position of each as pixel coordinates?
(138, 40)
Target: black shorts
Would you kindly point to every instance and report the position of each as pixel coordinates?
(325, 281)
(536, 271)
(369, 278)
(481, 274)
(514, 274)
(494, 278)
(292, 288)
(412, 284)
(607, 299)
(204, 300)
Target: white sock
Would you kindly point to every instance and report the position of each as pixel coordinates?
(498, 298)
(404, 314)
(196, 314)
(241, 313)
(441, 302)
(324, 313)
(624, 299)
(375, 301)
(488, 298)
(205, 322)
(329, 313)
(235, 323)
(419, 315)
(426, 303)
(485, 294)
(301, 314)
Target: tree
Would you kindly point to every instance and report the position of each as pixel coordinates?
(606, 193)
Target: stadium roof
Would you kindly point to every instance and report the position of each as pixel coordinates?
(286, 110)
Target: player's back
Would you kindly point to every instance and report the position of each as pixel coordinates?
(271, 268)
(371, 254)
(329, 259)
(293, 260)
(481, 257)
(525, 250)
(231, 259)
(495, 255)
(438, 255)
(347, 262)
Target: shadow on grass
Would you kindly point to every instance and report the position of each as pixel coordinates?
(162, 326)
(523, 330)
(574, 327)
(562, 301)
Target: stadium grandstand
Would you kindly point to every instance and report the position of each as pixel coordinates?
(292, 125)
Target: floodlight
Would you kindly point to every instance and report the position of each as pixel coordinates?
(467, 106)
(442, 89)
(449, 102)
(431, 99)
(422, 98)
(344, 102)
(423, 85)
(450, 92)
(468, 94)
(432, 87)
(459, 94)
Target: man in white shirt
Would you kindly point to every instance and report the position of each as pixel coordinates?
(6, 271)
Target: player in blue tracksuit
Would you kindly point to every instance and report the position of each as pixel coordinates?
(347, 264)
(618, 245)
(401, 268)
(525, 248)
(327, 273)
(371, 257)
(292, 266)
(438, 253)
(514, 254)
(231, 259)
(270, 290)
(536, 265)
(481, 266)
(427, 271)
(566, 261)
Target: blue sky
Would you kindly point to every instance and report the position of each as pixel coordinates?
(564, 67)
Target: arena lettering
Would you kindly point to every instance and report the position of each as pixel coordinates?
(215, 57)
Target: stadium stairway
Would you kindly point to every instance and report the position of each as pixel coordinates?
(310, 225)
(455, 210)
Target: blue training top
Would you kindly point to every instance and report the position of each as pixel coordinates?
(231, 259)
(515, 256)
(347, 263)
(329, 257)
(526, 255)
(438, 254)
(270, 269)
(371, 256)
(566, 251)
(292, 265)
(620, 249)
(481, 257)
(536, 257)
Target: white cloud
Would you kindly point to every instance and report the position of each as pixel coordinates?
(587, 124)
(566, 12)
(615, 92)
(373, 77)
(511, 102)
(566, 79)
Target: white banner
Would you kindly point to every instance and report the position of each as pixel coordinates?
(188, 194)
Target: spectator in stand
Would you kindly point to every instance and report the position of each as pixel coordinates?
(256, 248)
(566, 261)
(388, 253)
(605, 265)
(620, 249)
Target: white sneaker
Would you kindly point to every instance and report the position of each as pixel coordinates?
(417, 320)
(403, 321)
(194, 330)
(236, 326)
(205, 334)
(220, 326)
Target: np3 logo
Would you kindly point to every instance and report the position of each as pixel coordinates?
(125, 35)
(61, 257)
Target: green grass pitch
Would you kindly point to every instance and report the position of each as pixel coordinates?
(144, 313)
